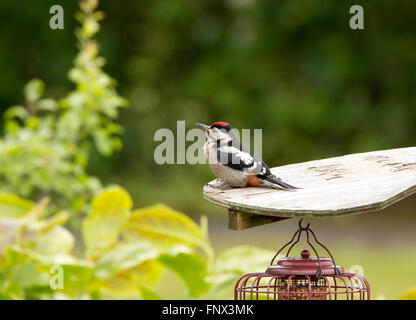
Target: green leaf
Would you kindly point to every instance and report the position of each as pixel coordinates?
(19, 112)
(223, 286)
(10, 230)
(233, 263)
(243, 259)
(191, 268)
(129, 282)
(410, 295)
(23, 269)
(110, 211)
(164, 226)
(12, 206)
(55, 241)
(148, 294)
(77, 280)
(34, 90)
(124, 257)
(46, 105)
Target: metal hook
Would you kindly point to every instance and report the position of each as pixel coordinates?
(300, 225)
(292, 243)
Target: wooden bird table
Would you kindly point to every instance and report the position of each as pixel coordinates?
(350, 184)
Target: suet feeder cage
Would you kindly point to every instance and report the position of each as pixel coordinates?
(302, 278)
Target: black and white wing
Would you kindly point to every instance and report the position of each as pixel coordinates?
(241, 160)
(248, 163)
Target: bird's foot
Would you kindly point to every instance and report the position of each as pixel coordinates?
(220, 184)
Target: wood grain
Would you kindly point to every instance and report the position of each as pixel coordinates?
(349, 184)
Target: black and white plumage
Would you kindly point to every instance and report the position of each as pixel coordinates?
(233, 163)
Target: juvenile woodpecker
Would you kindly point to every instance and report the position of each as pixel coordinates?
(234, 164)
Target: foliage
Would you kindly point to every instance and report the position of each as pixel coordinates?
(44, 153)
(47, 143)
(409, 295)
(126, 252)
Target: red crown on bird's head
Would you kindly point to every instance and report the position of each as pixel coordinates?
(221, 125)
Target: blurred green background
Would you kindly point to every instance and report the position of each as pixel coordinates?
(293, 68)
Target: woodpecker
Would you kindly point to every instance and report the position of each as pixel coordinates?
(233, 163)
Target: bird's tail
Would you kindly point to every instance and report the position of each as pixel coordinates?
(276, 182)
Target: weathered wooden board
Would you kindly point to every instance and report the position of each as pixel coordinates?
(338, 186)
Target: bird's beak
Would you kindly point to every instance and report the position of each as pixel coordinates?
(203, 126)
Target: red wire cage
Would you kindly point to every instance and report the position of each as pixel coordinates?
(302, 278)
